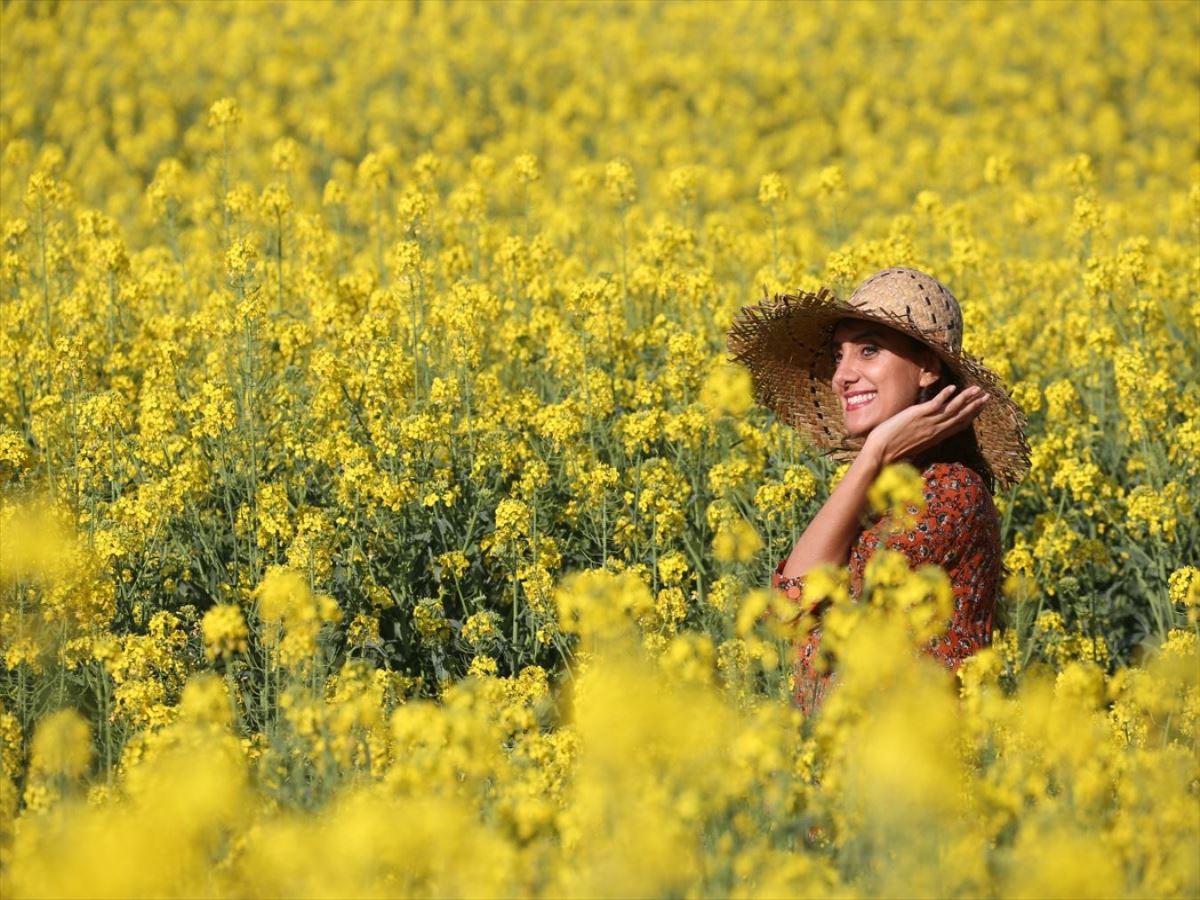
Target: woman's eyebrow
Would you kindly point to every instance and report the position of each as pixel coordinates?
(858, 336)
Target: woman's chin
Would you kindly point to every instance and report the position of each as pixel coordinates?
(858, 431)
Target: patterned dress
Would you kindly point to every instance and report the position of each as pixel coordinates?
(959, 531)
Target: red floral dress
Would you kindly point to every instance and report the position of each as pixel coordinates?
(959, 531)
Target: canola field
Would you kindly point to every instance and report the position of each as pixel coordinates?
(381, 516)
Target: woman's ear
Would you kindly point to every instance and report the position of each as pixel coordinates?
(931, 369)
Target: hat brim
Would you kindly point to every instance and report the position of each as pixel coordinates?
(784, 343)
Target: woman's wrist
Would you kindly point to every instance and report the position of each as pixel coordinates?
(871, 457)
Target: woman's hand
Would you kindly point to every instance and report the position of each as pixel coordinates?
(924, 425)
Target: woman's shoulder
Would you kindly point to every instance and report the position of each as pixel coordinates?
(957, 480)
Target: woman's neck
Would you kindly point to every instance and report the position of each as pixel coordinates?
(961, 448)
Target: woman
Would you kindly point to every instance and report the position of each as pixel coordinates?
(882, 378)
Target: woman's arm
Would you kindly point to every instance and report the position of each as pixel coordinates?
(829, 535)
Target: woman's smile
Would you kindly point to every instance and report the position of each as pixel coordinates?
(858, 400)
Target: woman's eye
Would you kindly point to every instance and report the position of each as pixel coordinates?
(869, 350)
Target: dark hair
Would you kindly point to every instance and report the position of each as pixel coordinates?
(962, 447)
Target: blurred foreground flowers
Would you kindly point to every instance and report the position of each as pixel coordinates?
(641, 775)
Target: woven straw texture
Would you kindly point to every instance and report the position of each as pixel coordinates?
(784, 342)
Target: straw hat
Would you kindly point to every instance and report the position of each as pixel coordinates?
(785, 343)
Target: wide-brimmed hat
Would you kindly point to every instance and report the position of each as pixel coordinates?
(785, 343)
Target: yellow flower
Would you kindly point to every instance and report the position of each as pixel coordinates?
(480, 627)
(224, 631)
(826, 582)
(600, 604)
(997, 168)
(285, 154)
(753, 605)
(1157, 513)
(240, 258)
(285, 600)
(772, 190)
(333, 194)
(738, 541)
(62, 745)
(281, 593)
(727, 391)
(619, 182)
(363, 629)
(690, 657)
(224, 112)
(482, 667)
(372, 171)
(275, 201)
(831, 182)
(899, 492)
(429, 619)
(672, 567)
(682, 184)
(527, 168)
(455, 563)
(1183, 588)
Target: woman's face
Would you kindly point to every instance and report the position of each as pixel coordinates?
(877, 372)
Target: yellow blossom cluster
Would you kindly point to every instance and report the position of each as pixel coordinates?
(285, 604)
(898, 492)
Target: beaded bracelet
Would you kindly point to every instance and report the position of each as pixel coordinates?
(793, 590)
(791, 586)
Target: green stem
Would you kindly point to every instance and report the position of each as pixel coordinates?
(45, 273)
(279, 262)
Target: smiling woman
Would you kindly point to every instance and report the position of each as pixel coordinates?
(890, 362)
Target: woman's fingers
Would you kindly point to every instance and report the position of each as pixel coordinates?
(953, 412)
(972, 397)
(939, 400)
(967, 411)
(947, 412)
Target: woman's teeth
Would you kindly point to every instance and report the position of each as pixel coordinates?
(860, 400)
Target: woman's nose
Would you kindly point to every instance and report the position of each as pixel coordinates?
(843, 375)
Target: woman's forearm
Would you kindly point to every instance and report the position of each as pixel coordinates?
(829, 535)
